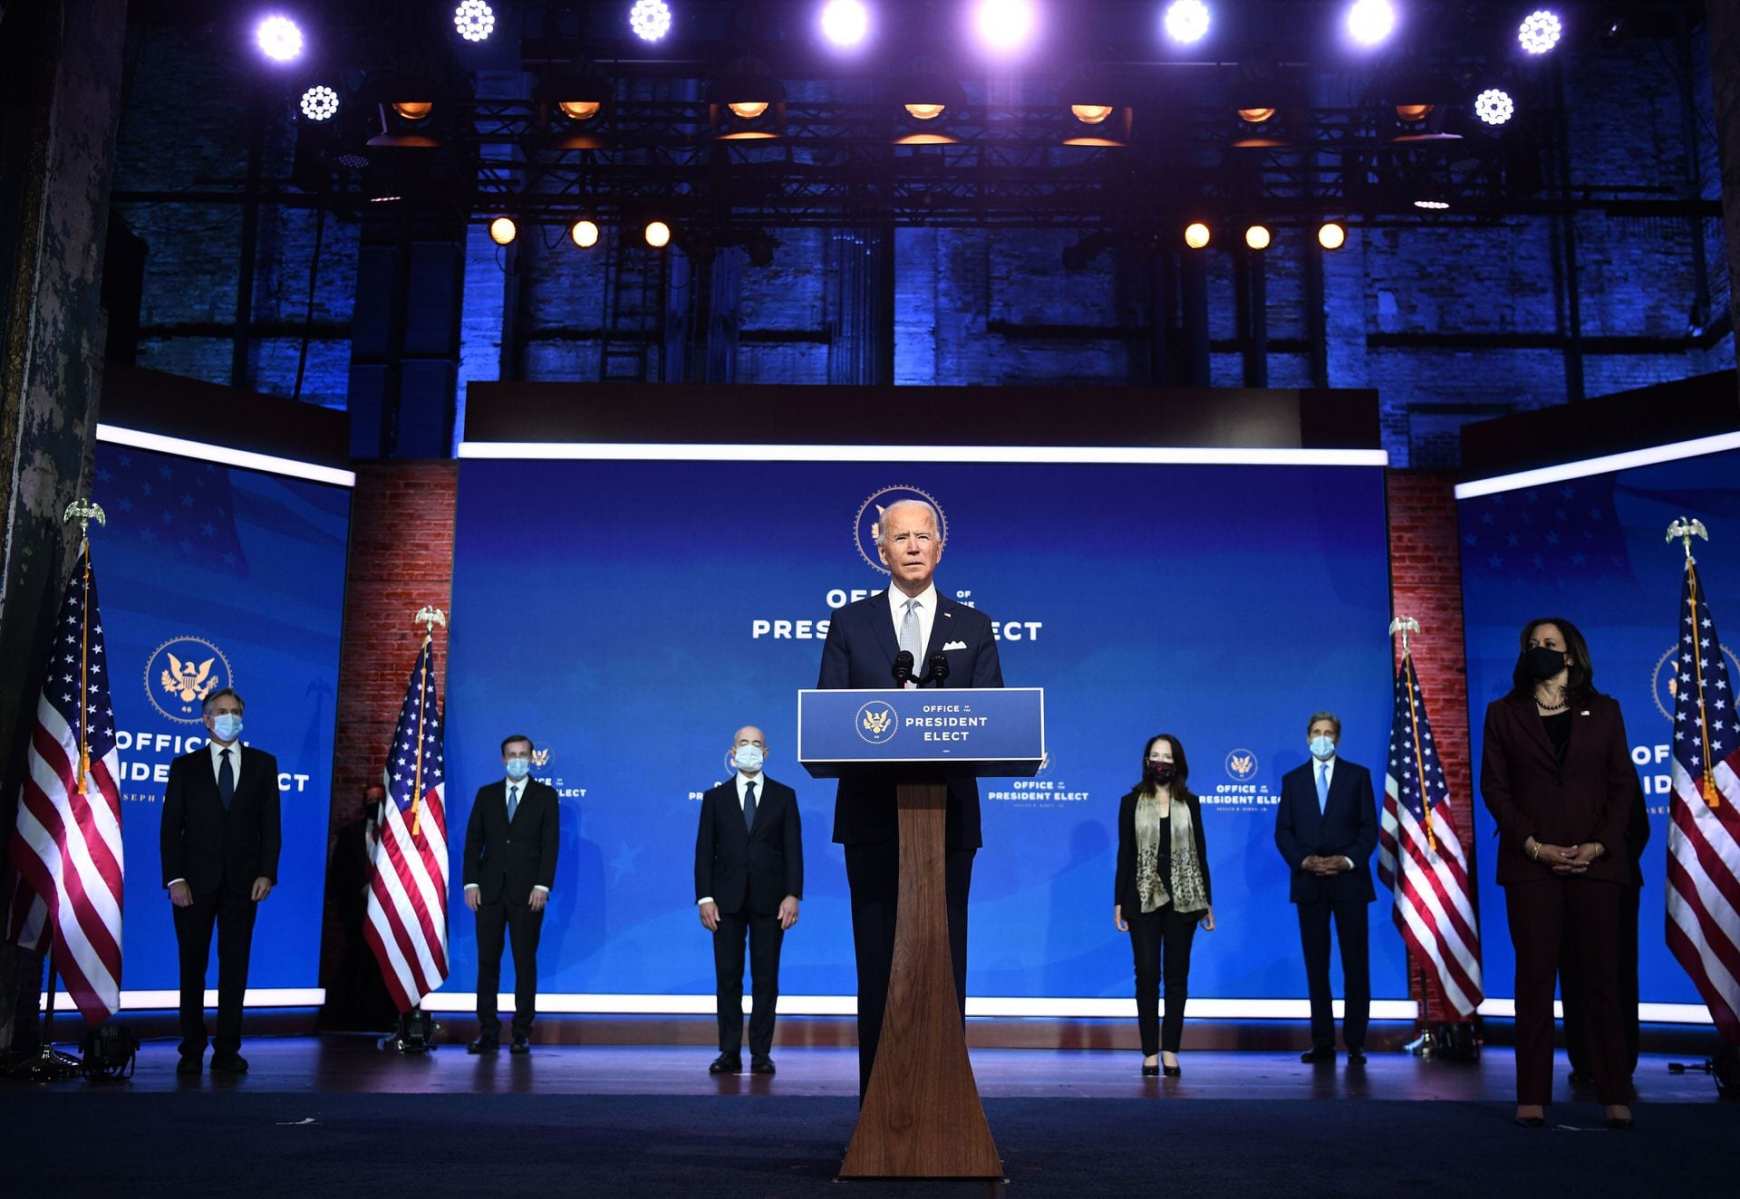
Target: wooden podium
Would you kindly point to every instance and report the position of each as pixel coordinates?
(921, 1116)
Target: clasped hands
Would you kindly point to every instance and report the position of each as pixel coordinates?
(1325, 866)
(788, 914)
(1564, 859)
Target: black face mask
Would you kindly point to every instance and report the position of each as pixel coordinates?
(1543, 663)
(1163, 774)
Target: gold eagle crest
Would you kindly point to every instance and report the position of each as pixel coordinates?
(186, 681)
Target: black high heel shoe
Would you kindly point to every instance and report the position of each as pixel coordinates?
(1173, 1071)
(1150, 1071)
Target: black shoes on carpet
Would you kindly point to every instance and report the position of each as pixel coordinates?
(520, 1047)
(229, 1063)
(189, 1066)
(1318, 1053)
(484, 1045)
(732, 1063)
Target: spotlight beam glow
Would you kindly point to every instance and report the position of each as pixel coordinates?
(1539, 32)
(650, 19)
(474, 20)
(1494, 106)
(1369, 22)
(1006, 27)
(845, 23)
(279, 38)
(1187, 21)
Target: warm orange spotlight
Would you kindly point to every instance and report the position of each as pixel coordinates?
(1196, 235)
(413, 110)
(924, 112)
(579, 110)
(1255, 116)
(502, 230)
(584, 233)
(658, 234)
(1090, 114)
(1331, 235)
(748, 110)
(1258, 237)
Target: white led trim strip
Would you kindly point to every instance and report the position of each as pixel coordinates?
(1599, 466)
(847, 1005)
(1069, 455)
(159, 1001)
(224, 456)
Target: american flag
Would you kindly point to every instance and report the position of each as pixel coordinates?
(1420, 854)
(67, 844)
(1703, 866)
(407, 915)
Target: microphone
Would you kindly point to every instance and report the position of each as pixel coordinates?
(939, 670)
(903, 668)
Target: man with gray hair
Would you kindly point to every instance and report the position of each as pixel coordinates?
(1326, 829)
(864, 641)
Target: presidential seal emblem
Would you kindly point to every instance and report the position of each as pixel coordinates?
(1673, 671)
(1241, 765)
(876, 722)
(866, 526)
(181, 673)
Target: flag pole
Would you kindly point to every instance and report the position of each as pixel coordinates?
(1406, 625)
(1684, 529)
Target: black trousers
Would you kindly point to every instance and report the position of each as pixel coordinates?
(234, 917)
(765, 937)
(1352, 930)
(522, 926)
(1571, 993)
(1156, 938)
(873, 874)
(1559, 928)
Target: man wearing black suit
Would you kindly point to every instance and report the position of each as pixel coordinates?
(510, 866)
(862, 642)
(219, 842)
(749, 877)
(1326, 829)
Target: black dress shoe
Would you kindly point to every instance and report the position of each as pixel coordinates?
(229, 1063)
(521, 1046)
(726, 1063)
(1356, 1057)
(484, 1045)
(761, 1065)
(189, 1065)
(1150, 1071)
(1317, 1054)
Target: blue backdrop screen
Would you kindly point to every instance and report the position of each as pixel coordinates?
(1592, 550)
(630, 616)
(212, 576)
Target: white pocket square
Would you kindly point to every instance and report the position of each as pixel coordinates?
(955, 645)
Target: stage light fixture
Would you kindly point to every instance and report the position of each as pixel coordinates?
(1090, 114)
(1432, 205)
(474, 20)
(414, 110)
(845, 23)
(1494, 106)
(1413, 114)
(1006, 27)
(1539, 32)
(1256, 116)
(502, 230)
(1197, 235)
(579, 110)
(279, 38)
(658, 234)
(584, 233)
(1258, 237)
(1331, 235)
(650, 19)
(319, 103)
(925, 112)
(1186, 21)
(1369, 22)
(748, 110)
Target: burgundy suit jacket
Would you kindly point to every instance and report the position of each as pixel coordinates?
(1531, 795)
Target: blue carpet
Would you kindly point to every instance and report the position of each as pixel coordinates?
(91, 1141)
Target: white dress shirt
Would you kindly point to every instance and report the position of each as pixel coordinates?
(743, 781)
(217, 767)
(522, 784)
(926, 613)
(1327, 770)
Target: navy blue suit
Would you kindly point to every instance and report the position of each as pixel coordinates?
(1346, 827)
(859, 653)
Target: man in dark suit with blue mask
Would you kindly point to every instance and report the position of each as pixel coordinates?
(1326, 828)
(864, 639)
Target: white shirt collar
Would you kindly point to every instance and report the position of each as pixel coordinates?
(897, 601)
(1318, 767)
(217, 750)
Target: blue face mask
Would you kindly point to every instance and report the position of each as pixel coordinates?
(518, 768)
(1322, 748)
(226, 727)
(749, 759)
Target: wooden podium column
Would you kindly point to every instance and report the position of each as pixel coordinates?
(921, 1116)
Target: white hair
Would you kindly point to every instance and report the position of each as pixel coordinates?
(882, 519)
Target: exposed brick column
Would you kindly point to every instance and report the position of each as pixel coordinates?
(1426, 583)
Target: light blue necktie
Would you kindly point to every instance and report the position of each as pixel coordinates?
(909, 635)
(1322, 787)
(513, 800)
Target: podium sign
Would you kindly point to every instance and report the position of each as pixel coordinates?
(921, 1116)
(969, 730)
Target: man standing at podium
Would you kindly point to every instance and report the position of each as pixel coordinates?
(951, 645)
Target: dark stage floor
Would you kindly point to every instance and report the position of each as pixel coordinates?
(334, 1115)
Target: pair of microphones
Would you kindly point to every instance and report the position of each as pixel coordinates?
(934, 676)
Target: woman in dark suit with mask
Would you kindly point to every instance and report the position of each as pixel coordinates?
(1556, 775)
(1162, 893)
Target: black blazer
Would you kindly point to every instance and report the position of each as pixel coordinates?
(1124, 887)
(859, 652)
(212, 849)
(506, 861)
(1347, 827)
(1589, 798)
(749, 867)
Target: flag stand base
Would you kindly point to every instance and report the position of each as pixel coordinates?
(416, 1033)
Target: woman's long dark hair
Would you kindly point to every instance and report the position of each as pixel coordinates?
(1180, 764)
(1579, 680)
